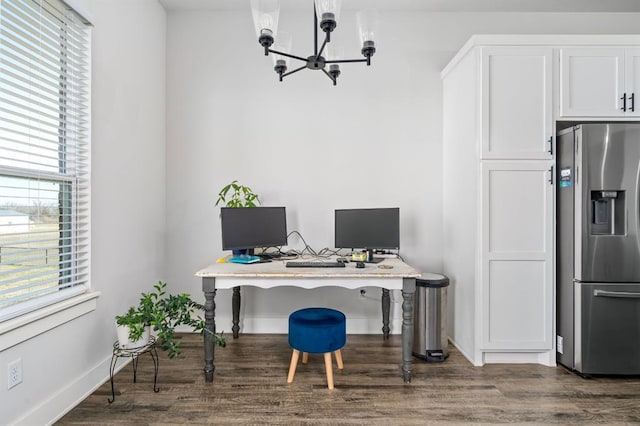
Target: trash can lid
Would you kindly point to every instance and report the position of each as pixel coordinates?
(432, 280)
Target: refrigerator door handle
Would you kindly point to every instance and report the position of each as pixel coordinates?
(616, 294)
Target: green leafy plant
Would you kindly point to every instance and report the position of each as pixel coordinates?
(164, 313)
(236, 195)
(135, 321)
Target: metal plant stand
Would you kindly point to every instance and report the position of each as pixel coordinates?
(134, 353)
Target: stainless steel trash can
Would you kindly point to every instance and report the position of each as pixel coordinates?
(430, 338)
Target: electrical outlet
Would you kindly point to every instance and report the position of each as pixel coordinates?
(559, 344)
(14, 370)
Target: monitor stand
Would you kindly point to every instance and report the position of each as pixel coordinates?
(371, 259)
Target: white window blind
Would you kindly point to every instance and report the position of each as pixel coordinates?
(44, 154)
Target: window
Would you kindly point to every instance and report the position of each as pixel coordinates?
(44, 154)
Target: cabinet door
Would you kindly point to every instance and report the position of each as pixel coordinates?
(516, 102)
(632, 81)
(517, 255)
(591, 82)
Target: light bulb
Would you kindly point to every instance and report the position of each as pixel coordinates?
(328, 9)
(265, 17)
(282, 44)
(367, 21)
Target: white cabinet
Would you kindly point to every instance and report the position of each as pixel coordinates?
(501, 95)
(516, 102)
(516, 198)
(516, 255)
(599, 82)
(498, 203)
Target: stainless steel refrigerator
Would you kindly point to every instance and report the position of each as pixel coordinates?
(598, 248)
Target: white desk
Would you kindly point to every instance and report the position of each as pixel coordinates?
(274, 274)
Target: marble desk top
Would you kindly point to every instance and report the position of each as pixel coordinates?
(278, 269)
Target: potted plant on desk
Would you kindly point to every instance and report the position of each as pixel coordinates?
(162, 313)
(236, 195)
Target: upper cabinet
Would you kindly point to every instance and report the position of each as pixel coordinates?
(632, 78)
(599, 82)
(516, 102)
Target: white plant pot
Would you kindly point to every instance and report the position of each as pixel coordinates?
(126, 343)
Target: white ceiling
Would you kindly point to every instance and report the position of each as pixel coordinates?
(432, 5)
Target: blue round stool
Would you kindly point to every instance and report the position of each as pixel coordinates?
(318, 331)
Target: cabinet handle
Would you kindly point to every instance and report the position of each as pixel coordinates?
(619, 294)
(633, 103)
(550, 145)
(551, 175)
(624, 102)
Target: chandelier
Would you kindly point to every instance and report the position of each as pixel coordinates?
(326, 57)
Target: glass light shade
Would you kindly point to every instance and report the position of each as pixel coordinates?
(265, 16)
(367, 21)
(334, 52)
(282, 44)
(326, 7)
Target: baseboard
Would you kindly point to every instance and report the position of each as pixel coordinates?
(541, 358)
(61, 402)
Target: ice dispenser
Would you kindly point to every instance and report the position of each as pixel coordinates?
(607, 212)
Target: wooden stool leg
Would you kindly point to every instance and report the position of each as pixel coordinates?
(293, 365)
(305, 357)
(338, 355)
(328, 366)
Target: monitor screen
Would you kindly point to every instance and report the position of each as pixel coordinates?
(368, 228)
(251, 227)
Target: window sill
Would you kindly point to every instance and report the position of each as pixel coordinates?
(27, 326)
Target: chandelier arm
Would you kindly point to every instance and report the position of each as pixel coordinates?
(296, 70)
(315, 30)
(288, 55)
(340, 61)
(323, 46)
(329, 75)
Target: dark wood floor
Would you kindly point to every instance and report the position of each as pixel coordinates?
(250, 388)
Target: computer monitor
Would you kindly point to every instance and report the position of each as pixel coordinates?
(368, 229)
(252, 227)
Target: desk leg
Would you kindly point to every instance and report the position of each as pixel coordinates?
(209, 289)
(408, 289)
(386, 306)
(235, 306)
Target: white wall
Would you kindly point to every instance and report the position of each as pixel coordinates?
(64, 365)
(374, 140)
(303, 144)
